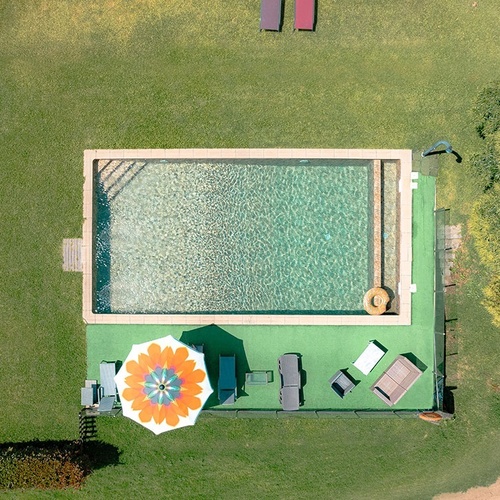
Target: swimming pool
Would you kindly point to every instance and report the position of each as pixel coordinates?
(192, 236)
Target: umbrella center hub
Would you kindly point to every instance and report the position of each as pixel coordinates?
(162, 386)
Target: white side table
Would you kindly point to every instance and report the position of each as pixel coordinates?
(369, 358)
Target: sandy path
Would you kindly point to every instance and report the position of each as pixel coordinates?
(480, 493)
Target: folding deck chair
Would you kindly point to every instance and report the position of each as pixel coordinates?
(304, 14)
(270, 14)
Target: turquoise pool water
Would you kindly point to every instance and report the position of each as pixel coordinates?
(228, 237)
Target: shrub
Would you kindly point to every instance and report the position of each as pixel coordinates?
(484, 225)
(492, 299)
(487, 110)
(487, 165)
(44, 466)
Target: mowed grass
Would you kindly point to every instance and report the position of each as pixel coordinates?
(115, 74)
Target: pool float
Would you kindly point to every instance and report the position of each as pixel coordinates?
(430, 416)
(375, 301)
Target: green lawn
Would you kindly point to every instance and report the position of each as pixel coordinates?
(114, 74)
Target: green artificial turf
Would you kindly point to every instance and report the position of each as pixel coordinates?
(323, 350)
(113, 74)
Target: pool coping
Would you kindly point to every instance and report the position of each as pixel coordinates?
(405, 238)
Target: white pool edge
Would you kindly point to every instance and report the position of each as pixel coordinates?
(405, 240)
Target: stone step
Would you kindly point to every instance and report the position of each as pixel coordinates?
(72, 255)
(114, 175)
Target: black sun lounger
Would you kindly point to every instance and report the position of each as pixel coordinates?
(270, 15)
(227, 380)
(288, 367)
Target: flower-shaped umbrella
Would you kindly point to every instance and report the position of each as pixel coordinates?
(163, 384)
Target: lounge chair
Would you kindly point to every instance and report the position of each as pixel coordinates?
(227, 380)
(288, 367)
(270, 15)
(396, 380)
(304, 14)
(107, 372)
(341, 384)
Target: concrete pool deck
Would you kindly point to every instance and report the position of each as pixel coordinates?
(324, 348)
(404, 157)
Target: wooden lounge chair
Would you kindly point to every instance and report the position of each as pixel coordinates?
(288, 367)
(270, 15)
(227, 380)
(396, 380)
(305, 13)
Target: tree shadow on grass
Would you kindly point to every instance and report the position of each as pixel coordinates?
(101, 454)
(98, 453)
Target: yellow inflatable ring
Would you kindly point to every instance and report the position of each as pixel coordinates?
(375, 301)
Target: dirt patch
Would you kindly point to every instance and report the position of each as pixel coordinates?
(480, 493)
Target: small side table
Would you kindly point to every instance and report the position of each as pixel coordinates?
(259, 377)
(369, 358)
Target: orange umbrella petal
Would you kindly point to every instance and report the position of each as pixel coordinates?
(147, 413)
(132, 393)
(169, 354)
(154, 351)
(134, 380)
(171, 417)
(191, 389)
(140, 403)
(157, 413)
(164, 358)
(193, 377)
(179, 357)
(163, 413)
(182, 408)
(134, 368)
(191, 401)
(145, 363)
(186, 367)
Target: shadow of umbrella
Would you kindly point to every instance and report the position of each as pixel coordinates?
(216, 342)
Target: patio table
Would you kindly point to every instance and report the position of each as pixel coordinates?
(369, 358)
(258, 377)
